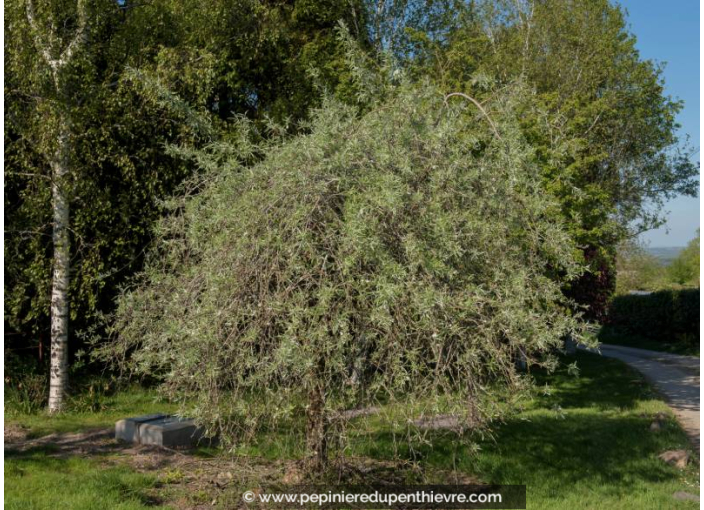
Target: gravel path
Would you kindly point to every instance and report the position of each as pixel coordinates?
(675, 377)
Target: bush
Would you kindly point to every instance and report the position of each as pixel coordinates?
(668, 316)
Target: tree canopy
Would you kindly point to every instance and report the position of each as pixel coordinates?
(684, 270)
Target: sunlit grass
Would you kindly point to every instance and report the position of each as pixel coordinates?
(37, 480)
(584, 442)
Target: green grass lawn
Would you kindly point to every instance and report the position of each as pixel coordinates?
(608, 335)
(581, 443)
(595, 449)
(37, 480)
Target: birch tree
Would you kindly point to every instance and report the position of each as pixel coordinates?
(58, 55)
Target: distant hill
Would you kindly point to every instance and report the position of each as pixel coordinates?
(665, 254)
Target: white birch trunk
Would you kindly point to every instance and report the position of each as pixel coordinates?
(58, 372)
(45, 40)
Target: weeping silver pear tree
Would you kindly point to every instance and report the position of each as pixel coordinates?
(57, 50)
(402, 258)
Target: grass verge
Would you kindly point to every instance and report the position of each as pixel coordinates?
(584, 442)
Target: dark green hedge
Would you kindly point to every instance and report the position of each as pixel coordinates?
(668, 316)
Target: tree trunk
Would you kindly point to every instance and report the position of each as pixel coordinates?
(45, 41)
(58, 372)
(316, 429)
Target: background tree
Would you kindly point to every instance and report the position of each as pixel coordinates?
(684, 270)
(636, 269)
(604, 129)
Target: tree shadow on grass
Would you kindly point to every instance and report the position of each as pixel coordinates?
(601, 383)
(64, 448)
(547, 450)
(585, 429)
(594, 449)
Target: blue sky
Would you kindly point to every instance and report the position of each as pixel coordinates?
(669, 32)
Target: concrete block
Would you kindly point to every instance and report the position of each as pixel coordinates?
(128, 429)
(170, 431)
(159, 429)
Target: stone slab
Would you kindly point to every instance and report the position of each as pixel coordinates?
(159, 429)
(170, 431)
(128, 429)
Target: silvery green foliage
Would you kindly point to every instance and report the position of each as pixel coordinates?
(408, 255)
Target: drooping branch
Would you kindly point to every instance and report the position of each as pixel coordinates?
(478, 105)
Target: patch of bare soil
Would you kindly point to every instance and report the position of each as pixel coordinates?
(350, 414)
(441, 422)
(185, 479)
(91, 442)
(14, 433)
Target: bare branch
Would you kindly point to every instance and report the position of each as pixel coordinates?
(593, 124)
(29, 174)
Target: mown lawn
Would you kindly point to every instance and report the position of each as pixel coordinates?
(583, 442)
(38, 480)
(587, 444)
